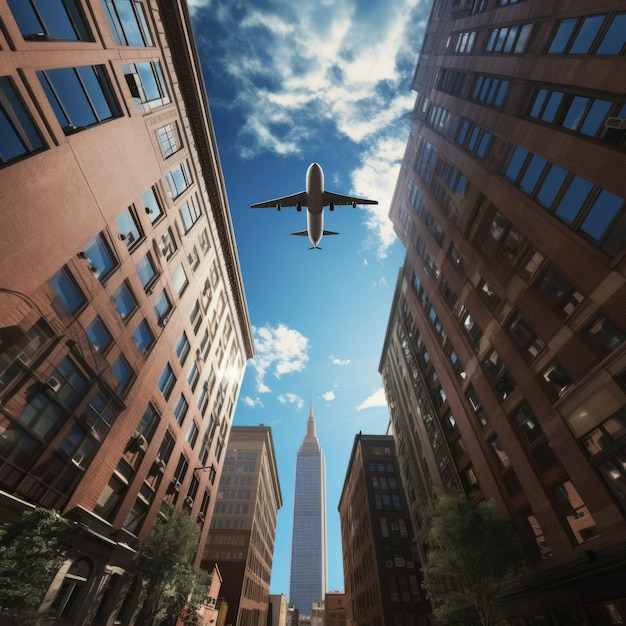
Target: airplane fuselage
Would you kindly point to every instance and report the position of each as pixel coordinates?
(315, 203)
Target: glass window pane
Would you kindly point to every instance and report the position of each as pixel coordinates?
(551, 186)
(69, 295)
(595, 117)
(562, 36)
(615, 38)
(162, 306)
(58, 19)
(151, 204)
(130, 233)
(123, 374)
(532, 174)
(99, 337)
(143, 337)
(587, 33)
(125, 302)
(179, 279)
(515, 163)
(523, 38)
(538, 102)
(145, 270)
(573, 200)
(552, 106)
(90, 78)
(100, 257)
(575, 112)
(601, 214)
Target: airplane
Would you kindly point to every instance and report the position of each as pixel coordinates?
(315, 198)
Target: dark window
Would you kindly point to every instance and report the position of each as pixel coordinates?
(511, 482)
(525, 336)
(182, 348)
(178, 180)
(152, 205)
(490, 90)
(123, 375)
(167, 381)
(79, 96)
(143, 337)
(145, 270)
(101, 412)
(124, 301)
(50, 19)
(498, 449)
(127, 21)
(69, 296)
(509, 39)
(130, 231)
(99, 337)
(563, 297)
(476, 405)
(147, 85)
(190, 213)
(603, 332)
(180, 410)
(101, 259)
(162, 308)
(498, 376)
(574, 511)
(192, 434)
(149, 422)
(527, 423)
(556, 377)
(592, 34)
(18, 134)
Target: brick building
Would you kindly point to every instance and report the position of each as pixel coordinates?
(124, 329)
(505, 357)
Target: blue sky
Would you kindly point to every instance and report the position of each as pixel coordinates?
(290, 84)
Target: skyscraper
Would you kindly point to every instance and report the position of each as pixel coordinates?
(505, 358)
(308, 540)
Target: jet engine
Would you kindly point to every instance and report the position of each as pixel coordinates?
(331, 206)
(299, 207)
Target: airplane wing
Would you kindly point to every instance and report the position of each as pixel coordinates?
(286, 201)
(338, 199)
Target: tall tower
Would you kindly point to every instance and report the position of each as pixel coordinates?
(308, 540)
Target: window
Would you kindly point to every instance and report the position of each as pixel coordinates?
(469, 480)
(124, 301)
(525, 336)
(123, 375)
(203, 239)
(490, 90)
(50, 19)
(18, 134)
(590, 34)
(606, 444)
(190, 213)
(193, 376)
(168, 245)
(101, 260)
(450, 81)
(498, 449)
(147, 85)
(152, 205)
(179, 279)
(476, 405)
(143, 337)
(79, 96)
(99, 336)
(562, 296)
(127, 21)
(456, 258)
(509, 39)
(182, 348)
(534, 531)
(497, 375)
(178, 180)
(473, 331)
(604, 333)
(101, 412)
(192, 434)
(167, 381)
(180, 410)
(162, 308)
(71, 594)
(527, 423)
(69, 297)
(575, 512)
(130, 231)
(149, 422)
(169, 139)
(145, 270)
(195, 317)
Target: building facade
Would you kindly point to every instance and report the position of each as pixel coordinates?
(278, 604)
(380, 559)
(335, 609)
(243, 528)
(124, 329)
(308, 574)
(508, 321)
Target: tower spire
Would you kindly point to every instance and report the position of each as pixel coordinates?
(310, 423)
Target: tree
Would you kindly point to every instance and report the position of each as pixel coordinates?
(31, 552)
(473, 552)
(164, 562)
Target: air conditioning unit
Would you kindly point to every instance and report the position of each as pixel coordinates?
(164, 320)
(189, 501)
(161, 467)
(616, 123)
(201, 517)
(54, 384)
(140, 441)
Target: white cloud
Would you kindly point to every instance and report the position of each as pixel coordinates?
(377, 399)
(252, 402)
(279, 350)
(349, 75)
(291, 398)
(329, 396)
(335, 361)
